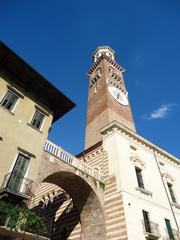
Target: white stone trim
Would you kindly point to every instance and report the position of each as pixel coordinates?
(137, 162)
(115, 126)
(168, 178)
(144, 191)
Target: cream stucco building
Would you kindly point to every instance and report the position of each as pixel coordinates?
(29, 105)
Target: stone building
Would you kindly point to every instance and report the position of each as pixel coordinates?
(121, 187)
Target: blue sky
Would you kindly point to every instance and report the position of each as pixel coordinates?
(58, 38)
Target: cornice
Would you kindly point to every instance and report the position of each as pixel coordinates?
(90, 149)
(116, 126)
(109, 60)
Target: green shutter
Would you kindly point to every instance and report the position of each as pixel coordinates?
(170, 232)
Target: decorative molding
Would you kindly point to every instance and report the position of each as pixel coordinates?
(104, 47)
(133, 147)
(89, 150)
(136, 160)
(19, 94)
(117, 66)
(26, 152)
(42, 110)
(144, 191)
(161, 163)
(168, 177)
(175, 205)
(115, 126)
(98, 169)
(93, 154)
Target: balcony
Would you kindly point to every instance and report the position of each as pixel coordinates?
(15, 187)
(151, 230)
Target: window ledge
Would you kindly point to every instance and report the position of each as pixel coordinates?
(6, 110)
(144, 191)
(175, 205)
(151, 236)
(34, 128)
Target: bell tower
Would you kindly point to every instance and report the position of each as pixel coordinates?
(107, 98)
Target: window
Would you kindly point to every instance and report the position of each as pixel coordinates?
(146, 221)
(96, 88)
(169, 229)
(37, 119)
(171, 192)
(98, 72)
(9, 100)
(17, 175)
(139, 177)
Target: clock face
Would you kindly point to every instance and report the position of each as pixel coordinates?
(118, 95)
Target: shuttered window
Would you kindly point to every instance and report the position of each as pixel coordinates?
(169, 229)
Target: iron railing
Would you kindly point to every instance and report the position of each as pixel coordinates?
(152, 232)
(16, 183)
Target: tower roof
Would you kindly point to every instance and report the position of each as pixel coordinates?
(103, 50)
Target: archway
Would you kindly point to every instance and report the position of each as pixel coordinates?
(85, 201)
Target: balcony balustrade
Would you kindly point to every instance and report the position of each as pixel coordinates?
(16, 185)
(151, 231)
(63, 155)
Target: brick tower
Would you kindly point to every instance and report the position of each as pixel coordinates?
(108, 98)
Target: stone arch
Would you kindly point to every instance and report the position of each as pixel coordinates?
(86, 201)
(86, 195)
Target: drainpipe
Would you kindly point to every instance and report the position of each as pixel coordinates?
(169, 200)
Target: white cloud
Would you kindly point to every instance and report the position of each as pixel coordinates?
(160, 112)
